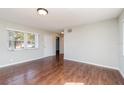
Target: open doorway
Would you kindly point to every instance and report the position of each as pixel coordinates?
(57, 45)
(60, 48)
(60, 43)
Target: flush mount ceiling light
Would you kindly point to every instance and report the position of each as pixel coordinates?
(42, 11)
(62, 32)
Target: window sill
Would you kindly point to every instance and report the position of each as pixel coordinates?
(23, 49)
(31, 48)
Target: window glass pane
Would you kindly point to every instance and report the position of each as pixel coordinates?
(19, 36)
(19, 44)
(19, 40)
(16, 40)
(31, 40)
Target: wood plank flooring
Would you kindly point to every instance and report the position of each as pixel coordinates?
(56, 71)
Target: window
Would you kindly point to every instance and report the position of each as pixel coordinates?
(22, 40)
(30, 40)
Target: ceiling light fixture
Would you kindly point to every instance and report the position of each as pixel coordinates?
(62, 32)
(42, 11)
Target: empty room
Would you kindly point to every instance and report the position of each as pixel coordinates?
(61, 46)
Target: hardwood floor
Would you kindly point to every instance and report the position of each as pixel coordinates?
(55, 70)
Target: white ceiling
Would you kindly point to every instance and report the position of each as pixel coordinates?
(58, 18)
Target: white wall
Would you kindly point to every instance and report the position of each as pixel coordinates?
(96, 43)
(121, 63)
(46, 43)
(61, 45)
(49, 44)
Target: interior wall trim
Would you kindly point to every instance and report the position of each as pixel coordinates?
(24, 61)
(109, 67)
(121, 73)
(90, 63)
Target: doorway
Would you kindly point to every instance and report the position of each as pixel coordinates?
(60, 43)
(57, 45)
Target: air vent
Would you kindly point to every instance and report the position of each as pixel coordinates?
(69, 30)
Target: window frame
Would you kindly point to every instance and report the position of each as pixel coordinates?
(25, 39)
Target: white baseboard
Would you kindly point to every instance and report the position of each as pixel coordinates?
(121, 73)
(24, 61)
(110, 67)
